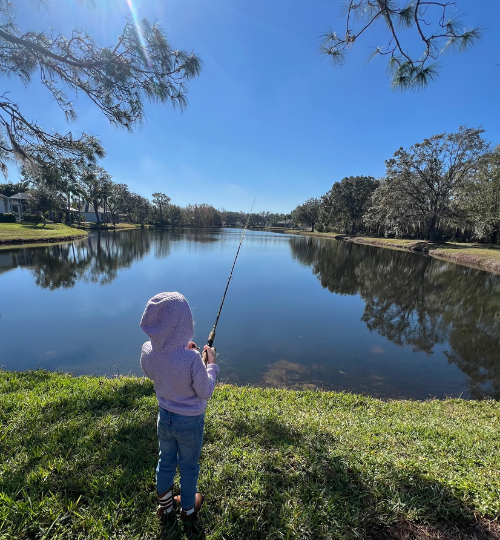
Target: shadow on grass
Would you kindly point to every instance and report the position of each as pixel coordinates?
(176, 530)
(293, 483)
(92, 434)
(309, 492)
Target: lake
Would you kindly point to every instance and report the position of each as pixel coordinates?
(301, 312)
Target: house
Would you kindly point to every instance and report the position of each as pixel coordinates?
(87, 210)
(18, 204)
(4, 204)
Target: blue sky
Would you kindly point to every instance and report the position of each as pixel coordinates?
(268, 117)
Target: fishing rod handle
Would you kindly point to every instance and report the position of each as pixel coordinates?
(210, 342)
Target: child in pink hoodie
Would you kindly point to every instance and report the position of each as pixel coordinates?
(183, 383)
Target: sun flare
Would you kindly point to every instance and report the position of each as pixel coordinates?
(137, 24)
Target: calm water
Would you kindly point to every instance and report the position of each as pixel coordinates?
(300, 312)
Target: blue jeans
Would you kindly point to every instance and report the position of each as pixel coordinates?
(180, 439)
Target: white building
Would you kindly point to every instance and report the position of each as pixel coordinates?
(4, 204)
(87, 210)
(18, 204)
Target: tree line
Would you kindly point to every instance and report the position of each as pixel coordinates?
(445, 188)
(63, 191)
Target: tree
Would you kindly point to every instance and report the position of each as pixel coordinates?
(232, 218)
(96, 185)
(141, 208)
(307, 213)
(43, 199)
(140, 66)
(71, 186)
(61, 177)
(434, 25)
(256, 220)
(10, 189)
(161, 200)
(117, 199)
(346, 203)
(206, 215)
(174, 215)
(479, 201)
(423, 181)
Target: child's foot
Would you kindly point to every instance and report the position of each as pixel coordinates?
(167, 505)
(189, 514)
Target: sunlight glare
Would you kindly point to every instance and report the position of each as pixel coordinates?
(135, 18)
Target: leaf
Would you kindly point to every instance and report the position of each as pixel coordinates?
(406, 16)
(376, 52)
(336, 55)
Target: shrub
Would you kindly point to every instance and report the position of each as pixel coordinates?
(7, 218)
(32, 218)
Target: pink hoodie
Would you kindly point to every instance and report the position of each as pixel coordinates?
(182, 382)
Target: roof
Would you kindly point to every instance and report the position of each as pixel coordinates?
(20, 196)
(3, 196)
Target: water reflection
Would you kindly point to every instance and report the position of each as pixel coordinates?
(384, 305)
(419, 301)
(99, 257)
(96, 259)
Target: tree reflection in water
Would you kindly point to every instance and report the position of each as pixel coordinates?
(418, 301)
(96, 259)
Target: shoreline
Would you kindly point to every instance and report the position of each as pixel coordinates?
(27, 236)
(51, 240)
(316, 464)
(23, 234)
(471, 255)
(478, 256)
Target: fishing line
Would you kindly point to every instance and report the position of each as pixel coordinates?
(211, 336)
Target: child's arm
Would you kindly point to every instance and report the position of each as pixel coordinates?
(145, 355)
(205, 377)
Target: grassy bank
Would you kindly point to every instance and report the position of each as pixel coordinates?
(332, 235)
(78, 458)
(110, 226)
(481, 256)
(31, 233)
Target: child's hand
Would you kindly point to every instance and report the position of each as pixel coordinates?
(210, 354)
(191, 345)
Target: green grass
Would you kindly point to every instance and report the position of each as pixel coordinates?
(491, 251)
(488, 250)
(481, 256)
(315, 233)
(78, 458)
(35, 232)
(110, 226)
(391, 241)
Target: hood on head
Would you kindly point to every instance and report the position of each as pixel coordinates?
(167, 320)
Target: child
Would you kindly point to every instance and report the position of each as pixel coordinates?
(183, 384)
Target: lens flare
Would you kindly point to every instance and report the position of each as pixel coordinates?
(137, 24)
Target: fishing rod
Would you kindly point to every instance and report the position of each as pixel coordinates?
(211, 336)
